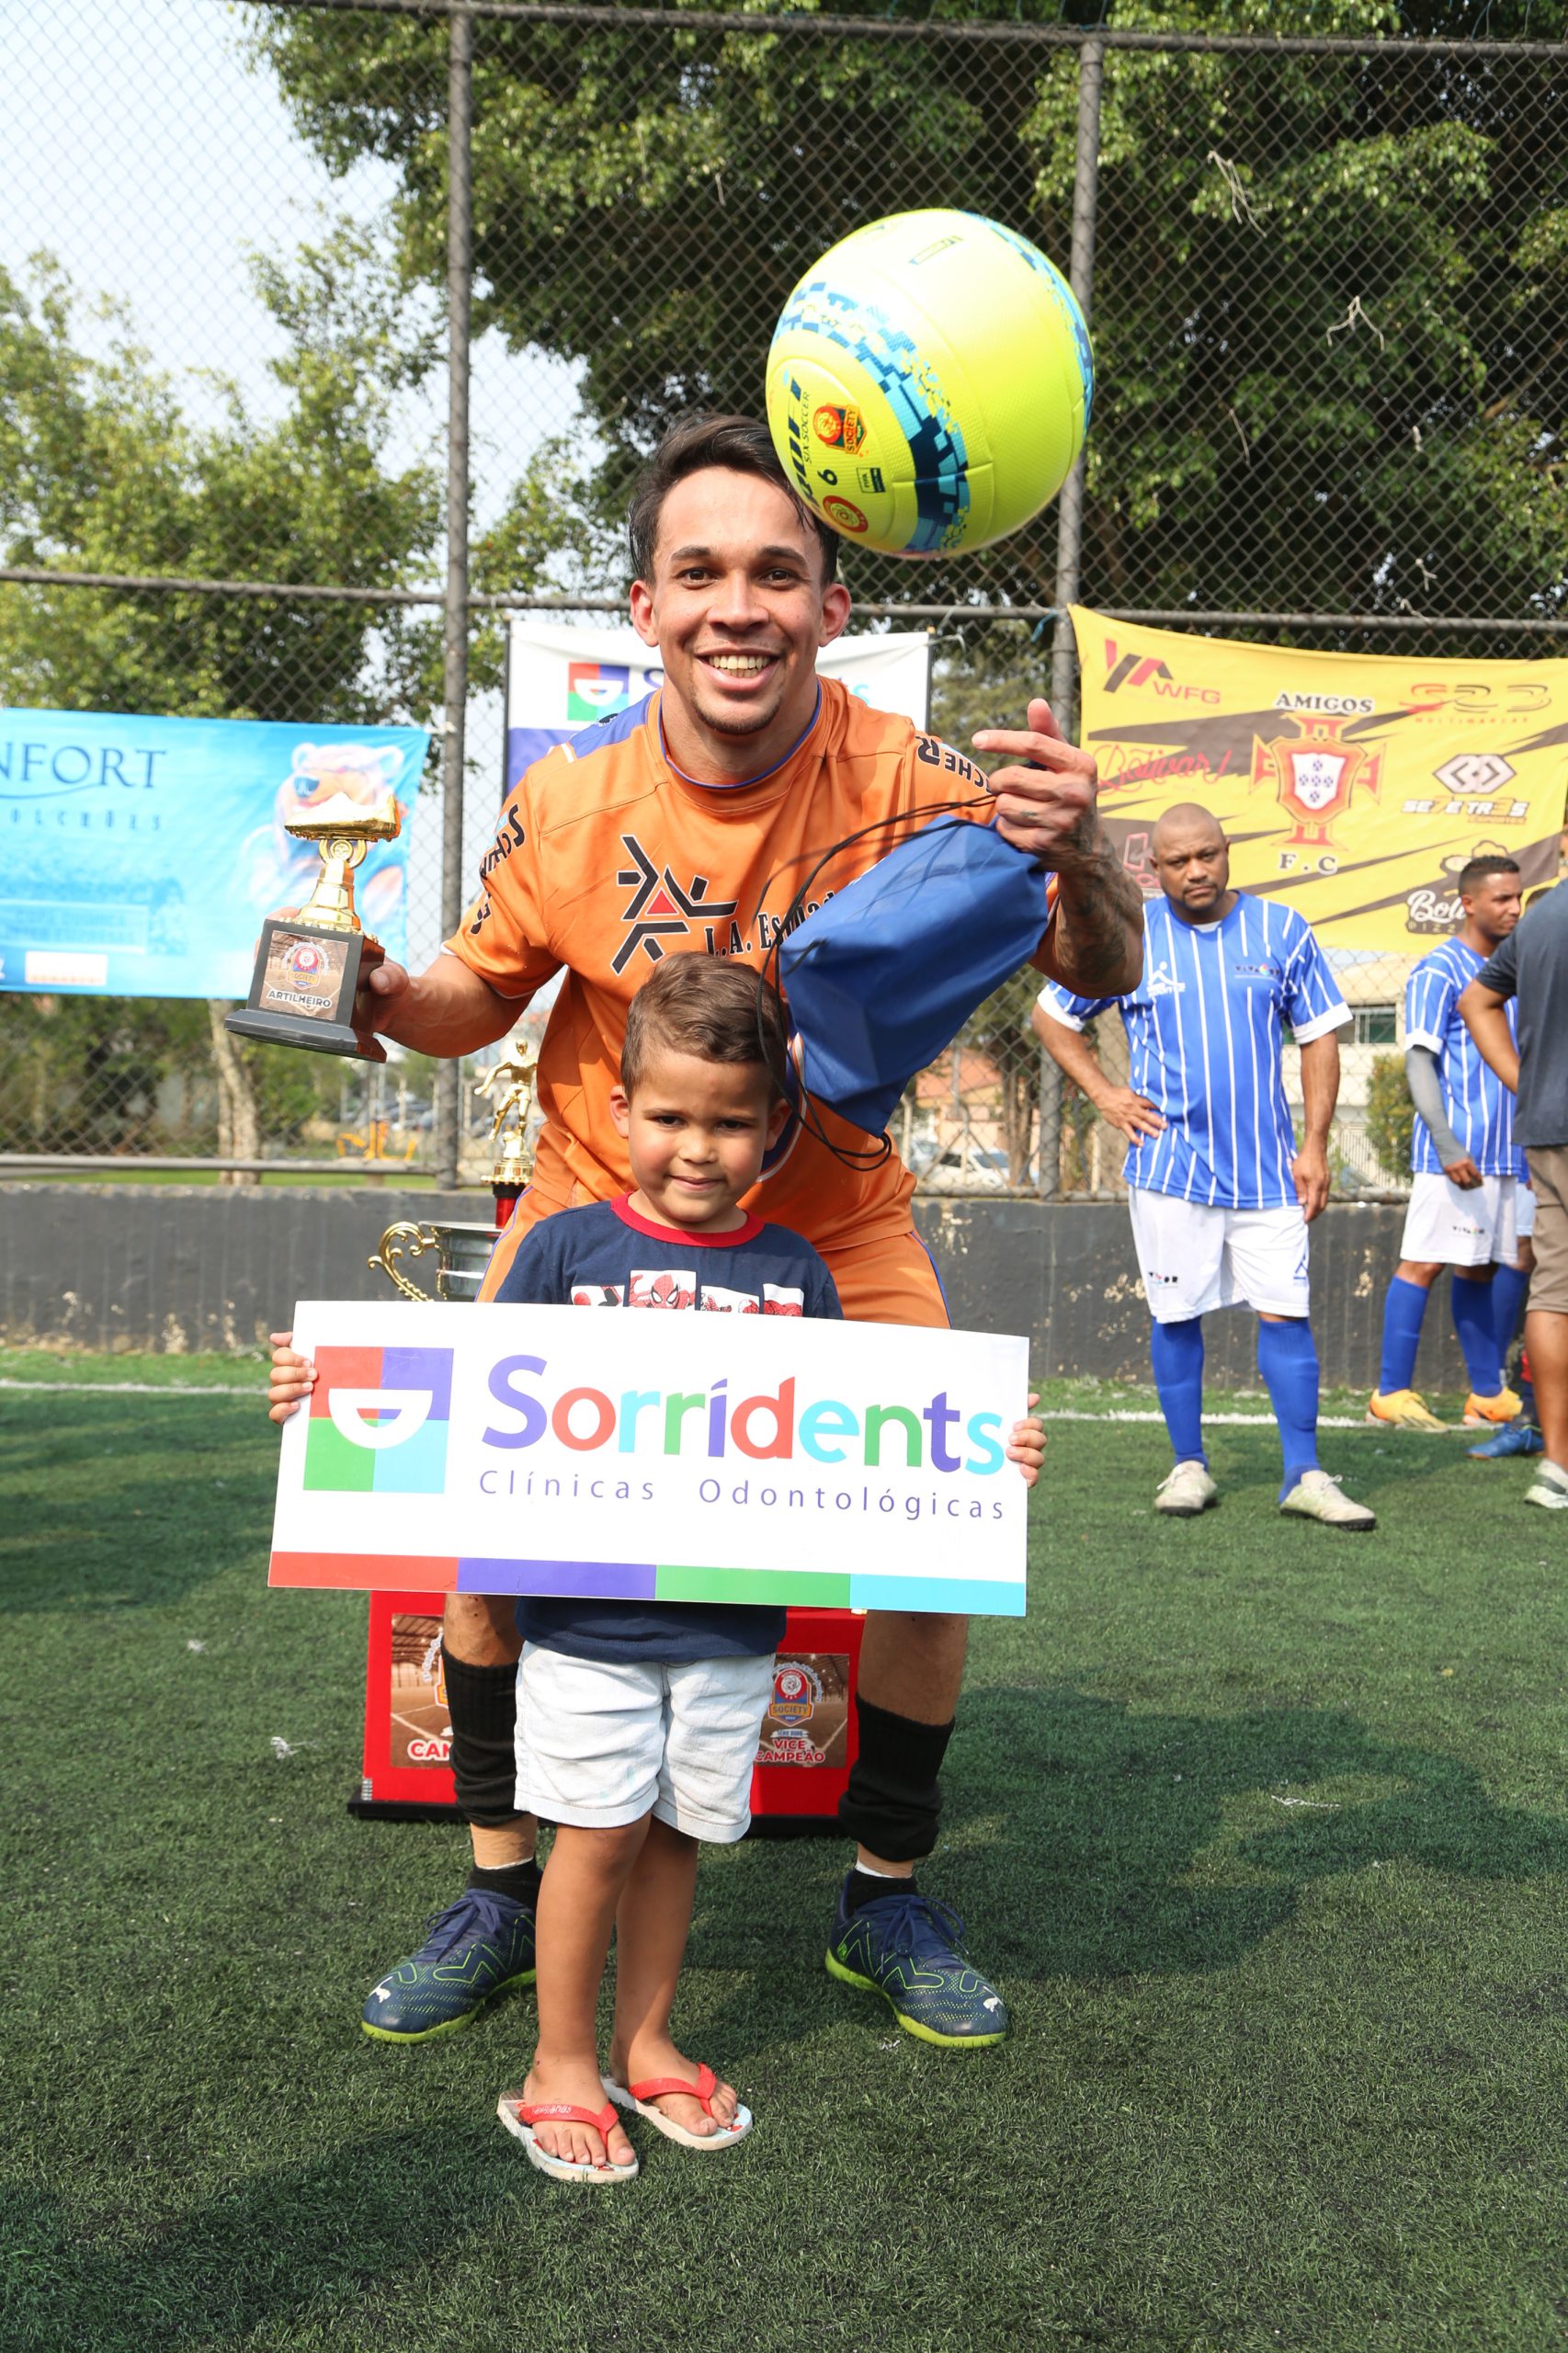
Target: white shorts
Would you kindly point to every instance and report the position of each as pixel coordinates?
(1447, 1226)
(1194, 1258)
(600, 1744)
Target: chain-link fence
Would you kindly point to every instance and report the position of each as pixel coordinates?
(1328, 283)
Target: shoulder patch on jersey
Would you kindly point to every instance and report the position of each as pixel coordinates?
(933, 753)
(510, 837)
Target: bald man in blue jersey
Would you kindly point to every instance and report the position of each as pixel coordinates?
(1220, 1194)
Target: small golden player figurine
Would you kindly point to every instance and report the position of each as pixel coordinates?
(511, 1083)
(309, 965)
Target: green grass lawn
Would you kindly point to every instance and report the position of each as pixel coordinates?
(1262, 1829)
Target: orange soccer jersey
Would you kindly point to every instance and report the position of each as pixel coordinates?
(608, 858)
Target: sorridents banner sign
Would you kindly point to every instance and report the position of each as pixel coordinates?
(1353, 785)
(138, 856)
(667, 1457)
(560, 678)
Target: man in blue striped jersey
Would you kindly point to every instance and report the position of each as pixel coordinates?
(1470, 1206)
(1220, 1193)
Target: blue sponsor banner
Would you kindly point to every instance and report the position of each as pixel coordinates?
(138, 856)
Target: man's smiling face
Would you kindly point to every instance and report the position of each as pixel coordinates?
(738, 609)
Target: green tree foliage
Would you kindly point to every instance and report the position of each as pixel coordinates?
(1330, 292)
(1390, 1115)
(101, 471)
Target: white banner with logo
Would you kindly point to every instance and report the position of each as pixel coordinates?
(561, 676)
(679, 1457)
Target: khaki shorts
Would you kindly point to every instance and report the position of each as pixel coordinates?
(1549, 1174)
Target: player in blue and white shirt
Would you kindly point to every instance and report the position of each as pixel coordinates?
(1470, 1206)
(1220, 1194)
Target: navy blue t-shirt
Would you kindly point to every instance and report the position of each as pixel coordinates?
(606, 1256)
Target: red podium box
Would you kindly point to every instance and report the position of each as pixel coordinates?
(802, 1759)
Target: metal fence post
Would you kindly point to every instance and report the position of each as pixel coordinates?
(1048, 1165)
(1070, 511)
(459, 267)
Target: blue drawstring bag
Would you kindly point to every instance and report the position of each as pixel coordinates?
(880, 981)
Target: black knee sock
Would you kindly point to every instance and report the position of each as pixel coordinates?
(893, 1803)
(482, 1704)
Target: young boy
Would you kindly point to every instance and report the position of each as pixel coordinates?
(638, 1722)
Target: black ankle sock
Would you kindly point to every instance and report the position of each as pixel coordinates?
(864, 1887)
(520, 1880)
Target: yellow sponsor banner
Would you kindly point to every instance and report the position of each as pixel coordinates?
(1355, 786)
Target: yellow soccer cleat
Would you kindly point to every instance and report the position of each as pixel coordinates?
(1403, 1409)
(1480, 1411)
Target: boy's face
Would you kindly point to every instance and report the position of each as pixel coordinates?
(696, 1132)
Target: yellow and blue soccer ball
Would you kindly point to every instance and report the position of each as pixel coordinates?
(929, 383)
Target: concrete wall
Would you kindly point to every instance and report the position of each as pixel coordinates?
(167, 1267)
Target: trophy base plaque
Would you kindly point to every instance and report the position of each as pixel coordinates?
(302, 993)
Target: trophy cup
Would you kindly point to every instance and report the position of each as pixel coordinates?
(462, 1252)
(309, 965)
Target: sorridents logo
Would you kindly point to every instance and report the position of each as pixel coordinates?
(659, 909)
(773, 1427)
(844, 513)
(379, 1421)
(594, 689)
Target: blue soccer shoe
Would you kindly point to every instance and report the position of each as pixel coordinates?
(1514, 1438)
(479, 1946)
(908, 1948)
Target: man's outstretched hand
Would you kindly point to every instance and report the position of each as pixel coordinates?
(1045, 793)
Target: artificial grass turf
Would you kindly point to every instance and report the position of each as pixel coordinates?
(1260, 1827)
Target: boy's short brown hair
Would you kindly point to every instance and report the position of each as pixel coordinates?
(694, 442)
(709, 1008)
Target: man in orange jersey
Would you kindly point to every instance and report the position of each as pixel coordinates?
(685, 823)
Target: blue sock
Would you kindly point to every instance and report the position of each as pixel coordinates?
(1288, 1359)
(1178, 1350)
(1402, 1312)
(1509, 1285)
(1474, 1322)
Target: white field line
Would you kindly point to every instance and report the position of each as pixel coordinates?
(134, 1389)
(1054, 1414)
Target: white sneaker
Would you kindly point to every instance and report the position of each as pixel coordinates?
(1185, 1490)
(1550, 1488)
(1316, 1495)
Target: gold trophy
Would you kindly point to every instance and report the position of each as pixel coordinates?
(462, 1252)
(309, 965)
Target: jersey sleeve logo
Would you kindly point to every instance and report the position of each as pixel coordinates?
(662, 1287)
(718, 1301)
(597, 1295)
(659, 907)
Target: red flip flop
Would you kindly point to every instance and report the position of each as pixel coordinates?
(639, 2097)
(519, 2117)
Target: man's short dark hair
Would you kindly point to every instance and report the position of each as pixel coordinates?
(1478, 869)
(709, 1008)
(701, 440)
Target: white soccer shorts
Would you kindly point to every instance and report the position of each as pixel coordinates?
(1447, 1226)
(601, 1744)
(1194, 1258)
